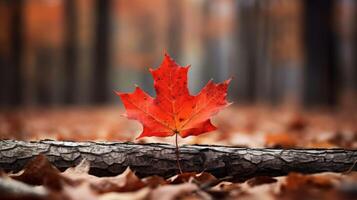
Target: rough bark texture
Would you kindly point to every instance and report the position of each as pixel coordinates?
(110, 158)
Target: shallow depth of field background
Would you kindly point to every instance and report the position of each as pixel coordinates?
(293, 64)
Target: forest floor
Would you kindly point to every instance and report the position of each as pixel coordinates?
(246, 126)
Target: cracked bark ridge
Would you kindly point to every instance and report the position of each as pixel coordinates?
(112, 158)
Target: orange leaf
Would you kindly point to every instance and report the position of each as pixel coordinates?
(174, 110)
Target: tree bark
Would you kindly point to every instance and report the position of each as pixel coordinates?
(111, 158)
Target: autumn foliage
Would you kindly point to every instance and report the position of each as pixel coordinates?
(174, 110)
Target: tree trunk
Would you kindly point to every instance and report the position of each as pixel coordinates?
(101, 56)
(321, 70)
(70, 51)
(11, 77)
(111, 158)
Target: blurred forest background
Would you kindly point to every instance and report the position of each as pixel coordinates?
(76, 52)
(293, 64)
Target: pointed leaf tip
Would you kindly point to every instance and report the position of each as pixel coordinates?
(228, 80)
(117, 92)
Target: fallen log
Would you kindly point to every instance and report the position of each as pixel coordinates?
(112, 158)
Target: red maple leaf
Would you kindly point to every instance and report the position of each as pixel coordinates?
(174, 110)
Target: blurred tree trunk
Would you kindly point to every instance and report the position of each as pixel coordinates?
(218, 37)
(11, 73)
(46, 61)
(101, 56)
(174, 30)
(247, 48)
(4, 52)
(320, 48)
(17, 51)
(347, 30)
(70, 60)
(354, 51)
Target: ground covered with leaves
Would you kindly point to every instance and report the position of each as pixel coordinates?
(247, 126)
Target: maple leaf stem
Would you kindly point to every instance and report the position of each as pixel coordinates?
(178, 153)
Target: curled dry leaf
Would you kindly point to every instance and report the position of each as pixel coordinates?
(296, 181)
(260, 180)
(125, 182)
(82, 168)
(227, 186)
(205, 178)
(318, 186)
(182, 178)
(80, 192)
(170, 192)
(136, 195)
(202, 178)
(129, 182)
(154, 181)
(224, 189)
(40, 171)
(79, 174)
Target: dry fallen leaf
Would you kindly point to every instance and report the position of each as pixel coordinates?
(125, 182)
(171, 192)
(154, 181)
(296, 181)
(202, 178)
(81, 192)
(284, 140)
(40, 171)
(259, 180)
(136, 195)
(321, 186)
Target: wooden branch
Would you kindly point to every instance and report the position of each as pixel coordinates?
(111, 158)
